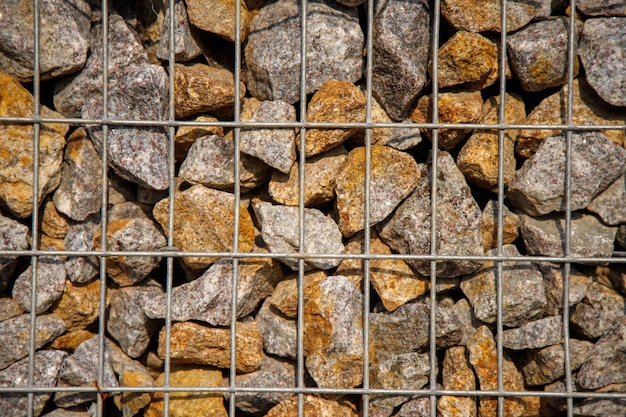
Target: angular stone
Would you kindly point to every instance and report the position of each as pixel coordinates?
(275, 147)
(483, 357)
(336, 102)
(46, 367)
(454, 107)
(601, 407)
(458, 221)
(539, 186)
(536, 334)
(272, 53)
(280, 333)
(399, 371)
(202, 345)
(53, 223)
(13, 236)
(547, 365)
(484, 15)
(320, 174)
(589, 238)
(187, 43)
(285, 295)
(79, 305)
(523, 294)
(607, 361)
(134, 375)
(279, 228)
(417, 407)
(602, 7)
(604, 57)
(313, 406)
(208, 297)
(50, 283)
(401, 42)
(510, 223)
(204, 222)
(600, 310)
(16, 149)
(187, 135)
(9, 308)
(457, 375)
(63, 38)
(69, 341)
(218, 17)
(15, 332)
(610, 204)
(79, 237)
(393, 176)
(553, 283)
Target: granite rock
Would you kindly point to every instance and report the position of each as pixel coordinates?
(279, 331)
(401, 43)
(602, 7)
(9, 308)
(272, 52)
(484, 15)
(536, 334)
(50, 283)
(53, 223)
(313, 406)
(218, 17)
(79, 237)
(511, 224)
(547, 365)
(457, 375)
(13, 236)
(133, 374)
(187, 135)
(187, 42)
(416, 407)
(610, 204)
(607, 362)
(601, 407)
(285, 295)
(601, 310)
(409, 370)
(79, 305)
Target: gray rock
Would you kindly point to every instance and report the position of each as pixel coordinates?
(400, 63)
(50, 284)
(279, 228)
(538, 53)
(541, 367)
(15, 336)
(417, 407)
(64, 39)
(602, 407)
(9, 308)
(187, 44)
(459, 221)
(46, 368)
(275, 147)
(334, 49)
(279, 332)
(399, 371)
(539, 186)
(607, 362)
(603, 55)
(545, 235)
(610, 204)
(602, 8)
(553, 283)
(600, 310)
(13, 236)
(79, 237)
(536, 334)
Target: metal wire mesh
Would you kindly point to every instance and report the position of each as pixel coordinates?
(171, 253)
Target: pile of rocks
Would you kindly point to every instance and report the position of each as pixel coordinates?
(70, 195)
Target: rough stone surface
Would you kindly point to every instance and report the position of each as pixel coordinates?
(417, 407)
(279, 331)
(204, 222)
(275, 147)
(553, 283)
(399, 371)
(187, 135)
(69, 341)
(535, 334)
(457, 375)
(49, 285)
(393, 176)
(604, 57)
(484, 15)
(79, 237)
(401, 42)
(313, 406)
(218, 17)
(539, 186)
(511, 225)
(273, 49)
(133, 374)
(602, 7)
(202, 345)
(601, 310)
(79, 305)
(279, 228)
(13, 236)
(547, 365)
(53, 223)
(9, 308)
(337, 102)
(187, 43)
(285, 296)
(64, 38)
(601, 408)
(458, 221)
(589, 236)
(610, 204)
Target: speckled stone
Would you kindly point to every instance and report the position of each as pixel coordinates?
(9, 308)
(401, 42)
(279, 229)
(393, 176)
(203, 345)
(607, 362)
(134, 374)
(187, 42)
(337, 102)
(16, 149)
(15, 335)
(601, 407)
(285, 295)
(13, 236)
(457, 375)
(272, 52)
(604, 57)
(313, 406)
(79, 237)
(600, 310)
(417, 407)
(544, 366)
(46, 368)
(79, 305)
(53, 223)
(187, 135)
(602, 7)
(218, 17)
(484, 15)
(279, 331)
(204, 222)
(458, 221)
(589, 236)
(275, 147)
(399, 371)
(511, 225)
(50, 284)
(610, 204)
(553, 283)
(64, 38)
(534, 334)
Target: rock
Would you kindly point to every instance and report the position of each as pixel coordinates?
(602, 7)
(285, 295)
(600, 310)
(483, 357)
(454, 107)
(587, 107)
(208, 297)
(13, 236)
(336, 102)
(187, 43)
(279, 228)
(417, 407)
(401, 43)
(218, 17)
(133, 374)
(272, 52)
(511, 224)
(393, 176)
(320, 174)
(538, 53)
(50, 283)
(279, 332)
(72, 412)
(79, 305)
(538, 187)
(484, 15)
(9, 308)
(187, 135)
(607, 362)
(553, 283)
(333, 332)
(523, 295)
(536, 334)
(457, 375)
(16, 149)
(547, 365)
(399, 371)
(458, 221)
(46, 367)
(189, 403)
(204, 222)
(79, 237)
(202, 345)
(313, 406)
(610, 204)
(275, 147)
(69, 341)
(589, 237)
(15, 342)
(601, 407)
(604, 58)
(63, 40)
(53, 223)
(468, 58)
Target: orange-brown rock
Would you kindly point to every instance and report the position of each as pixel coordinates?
(484, 15)
(457, 375)
(53, 223)
(313, 406)
(134, 375)
(187, 135)
(511, 224)
(218, 17)
(70, 340)
(79, 305)
(285, 295)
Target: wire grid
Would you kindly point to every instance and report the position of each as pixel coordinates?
(170, 252)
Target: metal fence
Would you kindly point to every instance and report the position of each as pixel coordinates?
(171, 253)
